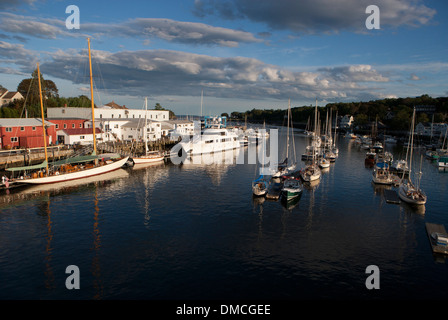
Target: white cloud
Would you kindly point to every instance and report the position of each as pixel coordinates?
(141, 28)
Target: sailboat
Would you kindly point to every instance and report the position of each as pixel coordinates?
(70, 169)
(286, 166)
(407, 191)
(291, 189)
(148, 157)
(260, 185)
(312, 172)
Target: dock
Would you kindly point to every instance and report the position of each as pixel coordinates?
(274, 190)
(391, 196)
(436, 246)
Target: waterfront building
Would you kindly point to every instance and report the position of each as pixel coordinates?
(25, 133)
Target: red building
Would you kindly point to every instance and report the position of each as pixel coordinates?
(25, 133)
(67, 123)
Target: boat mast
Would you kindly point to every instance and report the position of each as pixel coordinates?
(43, 120)
(146, 125)
(412, 144)
(91, 99)
(287, 132)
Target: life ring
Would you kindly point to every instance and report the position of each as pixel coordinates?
(56, 173)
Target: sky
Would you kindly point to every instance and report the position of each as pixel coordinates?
(236, 54)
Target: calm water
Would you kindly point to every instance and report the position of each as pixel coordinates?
(194, 232)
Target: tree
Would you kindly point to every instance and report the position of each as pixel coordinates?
(29, 88)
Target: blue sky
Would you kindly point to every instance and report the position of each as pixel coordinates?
(241, 54)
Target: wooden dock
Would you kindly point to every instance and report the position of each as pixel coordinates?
(391, 196)
(436, 228)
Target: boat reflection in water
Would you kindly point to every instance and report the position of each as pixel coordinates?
(33, 191)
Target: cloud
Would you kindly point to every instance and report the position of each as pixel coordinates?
(414, 77)
(16, 54)
(167, 72)
(318, 16)
(140, 28)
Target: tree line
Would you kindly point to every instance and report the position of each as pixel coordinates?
(394, 113)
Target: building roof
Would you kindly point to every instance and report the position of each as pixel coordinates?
(137, 123)
(114, 105)
(10, 94)
(22, 122)
(78, 131)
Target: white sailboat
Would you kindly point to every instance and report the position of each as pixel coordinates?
(70, 169)
(287, 166)
(312, 172)
(407, 191)
(148, 157)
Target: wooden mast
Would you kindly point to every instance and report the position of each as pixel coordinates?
(91, 99)
(43, 118)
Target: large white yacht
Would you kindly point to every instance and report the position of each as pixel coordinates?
(215, 137)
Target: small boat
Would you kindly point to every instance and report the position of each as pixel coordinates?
(378, 146)
(400, 166)
(259, 187)
(310, 173)
(148, 157)
(382, 175)
(370, 158)
(331, 155)
(432, 155)
(291, 189)
(324, 163)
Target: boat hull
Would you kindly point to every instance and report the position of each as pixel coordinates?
(78, 174)
(403, 194)
(148, 159)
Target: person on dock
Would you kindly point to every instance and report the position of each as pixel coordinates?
(5, 181)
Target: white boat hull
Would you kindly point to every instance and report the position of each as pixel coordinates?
(143, 159)
(78, 174)
(403, 194)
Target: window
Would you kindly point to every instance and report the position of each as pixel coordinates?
(57, 126)
(101, 115)
(73, 125)
(80, 125)
(116, 126)
(14, 139)
(82, 137)
(22, 128)
(34, 128)
(65, 126)
(8, 129)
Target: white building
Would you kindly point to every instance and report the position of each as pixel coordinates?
(428, 129)
(9, 96)
(127, 129)
(78, 136)
(179, 128)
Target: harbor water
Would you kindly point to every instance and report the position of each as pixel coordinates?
(194, 232)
